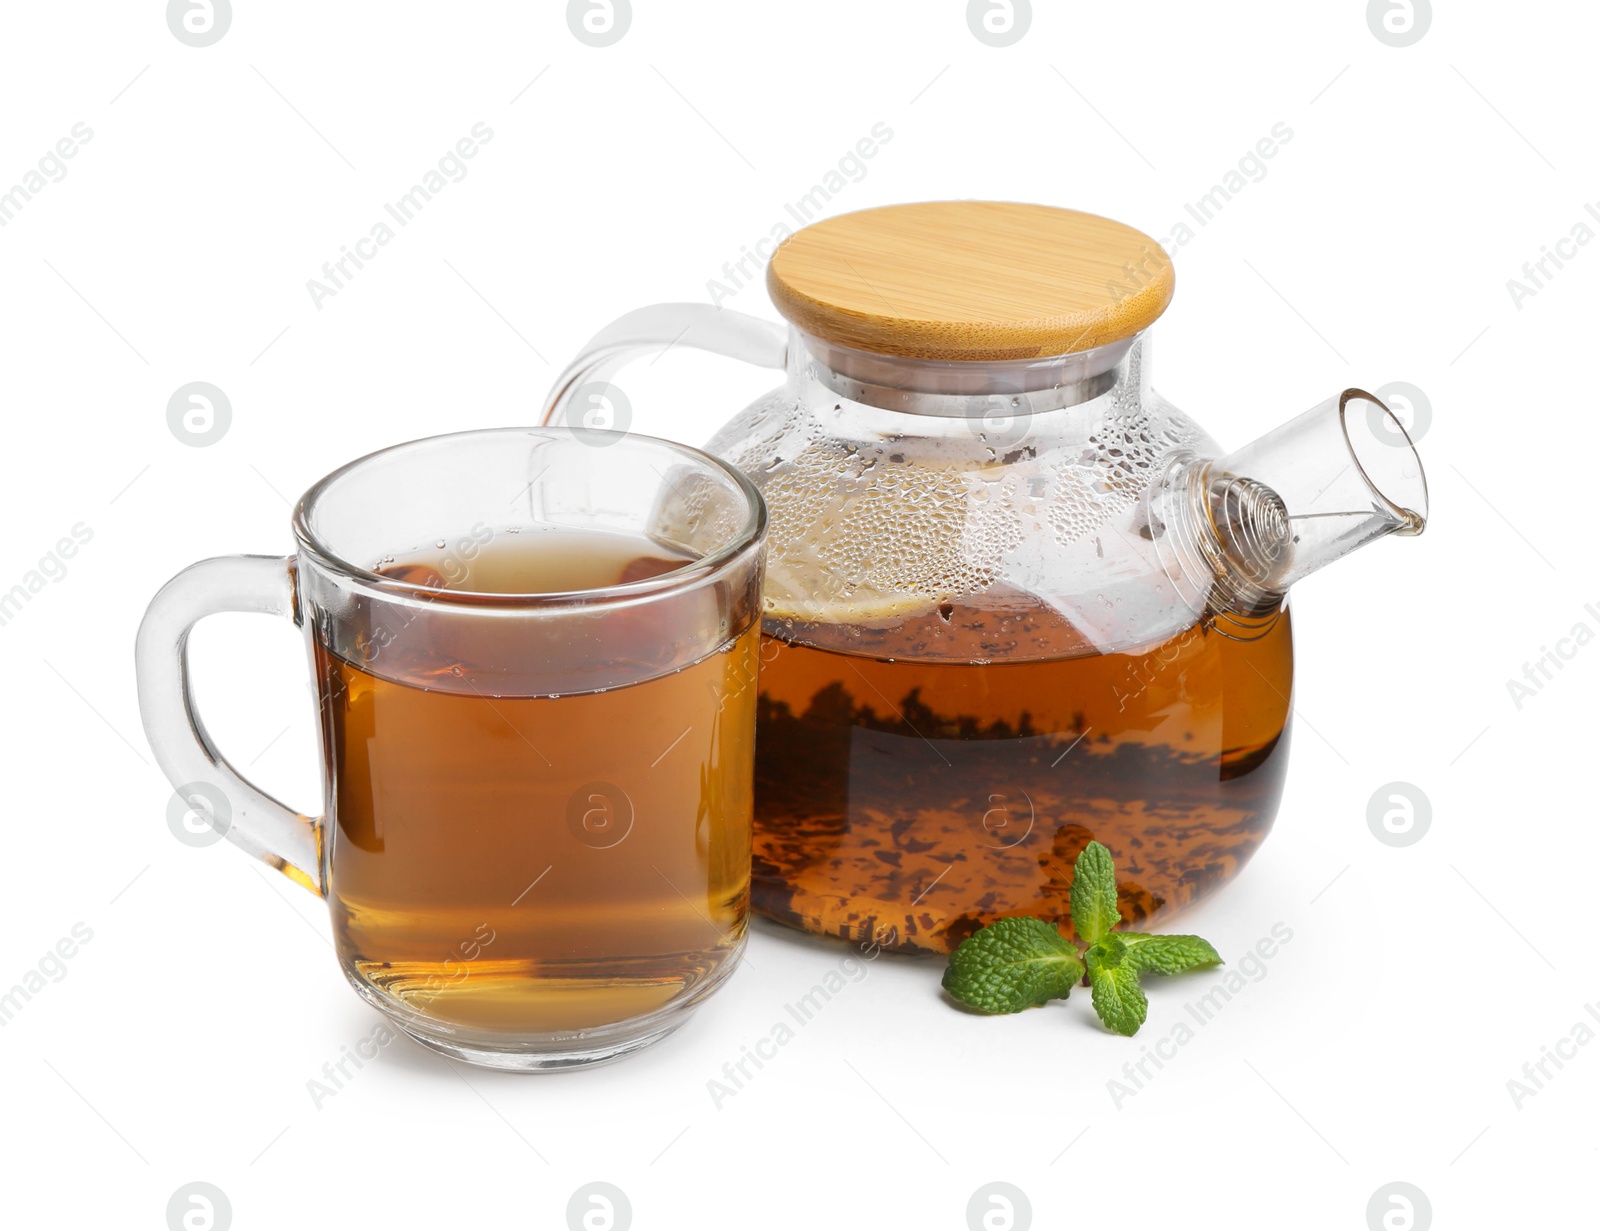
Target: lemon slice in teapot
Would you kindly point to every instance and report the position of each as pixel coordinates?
(795, 593)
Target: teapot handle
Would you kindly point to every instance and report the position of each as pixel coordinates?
(665, 325)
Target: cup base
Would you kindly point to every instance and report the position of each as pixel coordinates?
(524, 1061)
(545, 1052)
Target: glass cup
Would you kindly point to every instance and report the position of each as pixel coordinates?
(535, 657)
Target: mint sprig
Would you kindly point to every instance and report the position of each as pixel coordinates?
(1016, 964)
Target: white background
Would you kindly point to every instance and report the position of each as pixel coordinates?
(1377, 248)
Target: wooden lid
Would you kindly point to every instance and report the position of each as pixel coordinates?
(973, 280)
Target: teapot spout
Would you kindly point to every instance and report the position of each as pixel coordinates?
(1248, 525)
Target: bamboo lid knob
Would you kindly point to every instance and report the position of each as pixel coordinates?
(970, 280)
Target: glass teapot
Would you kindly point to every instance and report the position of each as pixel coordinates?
(1015, 600)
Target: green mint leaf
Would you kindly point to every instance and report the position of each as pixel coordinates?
(1011, 965)
(1167, 955)
(1114, 986)
(1094, 894)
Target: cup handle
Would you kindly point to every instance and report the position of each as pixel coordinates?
(202, 776)
(697, 325)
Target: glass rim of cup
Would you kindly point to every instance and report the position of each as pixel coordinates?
(693, 572)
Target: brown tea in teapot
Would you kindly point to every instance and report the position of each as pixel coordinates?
(913, 802)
